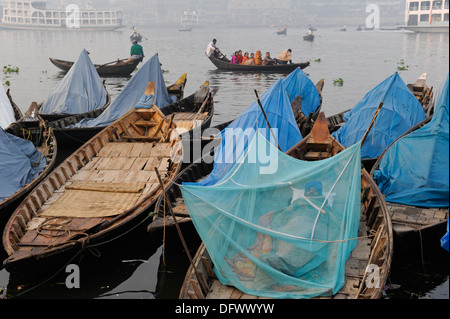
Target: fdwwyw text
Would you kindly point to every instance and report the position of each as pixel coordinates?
(226, 309)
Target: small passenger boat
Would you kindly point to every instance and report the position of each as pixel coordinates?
(224, 64)
(309, 37)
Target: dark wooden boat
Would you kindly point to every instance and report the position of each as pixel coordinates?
(371, 250)
(415, 227)
(136, 37)
(197, 107)
(224, 64)
(306, 121)
(194, 171)
(309, 37)
(119, 68)
(423, 93)
(18, 115)
(67, 135)
(44, 140)
(50, 118)
(282, 32)
(102, 190)
(185, 28)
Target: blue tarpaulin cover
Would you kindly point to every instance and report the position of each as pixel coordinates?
(80, 91)
(283, 232)
(236, 136)
(415, 169)
(444, 240)
(401, 110)
(132, 93)
(20, 164)
(6, 110)
(298, 84)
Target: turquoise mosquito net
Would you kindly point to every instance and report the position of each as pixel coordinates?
(279, 227)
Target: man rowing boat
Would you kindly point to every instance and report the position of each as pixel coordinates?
(212, 50)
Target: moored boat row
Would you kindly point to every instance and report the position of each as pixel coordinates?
(135, 163)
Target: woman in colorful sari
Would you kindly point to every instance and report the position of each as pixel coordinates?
(258, 58)
(245, 57)
(250, 60)
(234, 58)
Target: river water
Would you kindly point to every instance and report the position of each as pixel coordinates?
(152, 266)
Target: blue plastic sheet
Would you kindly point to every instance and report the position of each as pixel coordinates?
(6, 110)
(20, 164)
(236, 136)
(415, 169)
(81, 90)
(286, 233)
(298, 84)
(444, 240)
(401, 110)
(132, 93)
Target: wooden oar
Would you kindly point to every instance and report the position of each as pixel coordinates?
(100, 66)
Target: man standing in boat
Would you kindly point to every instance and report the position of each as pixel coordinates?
(137, 52)
(212, 50)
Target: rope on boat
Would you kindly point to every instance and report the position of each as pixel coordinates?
(84, 245)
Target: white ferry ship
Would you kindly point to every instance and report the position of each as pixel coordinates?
(427, 15)
(190, 18)
(34, 15)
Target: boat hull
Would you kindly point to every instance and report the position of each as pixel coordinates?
(119, 69)
(279, 68)
(32, 225)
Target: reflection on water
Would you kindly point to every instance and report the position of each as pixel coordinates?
(134, 268)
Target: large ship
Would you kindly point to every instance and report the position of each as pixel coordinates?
(34, 15)
(190, 18)
(427, 16)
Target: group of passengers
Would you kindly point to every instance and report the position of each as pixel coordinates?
(252, 58)
(256, 58)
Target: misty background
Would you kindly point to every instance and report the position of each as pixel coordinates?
(263, 13)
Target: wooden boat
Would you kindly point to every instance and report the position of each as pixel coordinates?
(306, 121)
(309, 37)
(418, 88)
(102, 190)
(423, 93)
(193, 172)
(282, 32)
(136, 37)
(34, 128)
(18, 115)
(50, 118)
(119, 68)
(414, 226)
(371, 250)
(67, 135)
(224, 64)
(185, 28)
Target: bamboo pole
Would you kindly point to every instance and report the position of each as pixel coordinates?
(267, 120)
(169, 205)
(371, 124)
